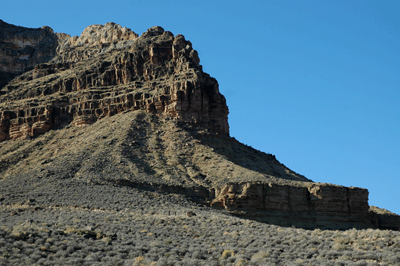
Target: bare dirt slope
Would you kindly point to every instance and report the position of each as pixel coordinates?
(115, 150)
(141, 148)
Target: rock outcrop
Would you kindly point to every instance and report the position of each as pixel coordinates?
(172, 123)
(313, 204)
(109, 70)
(22, 48)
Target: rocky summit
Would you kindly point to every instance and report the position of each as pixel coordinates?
(150, 117)
(102, 120)
(106, 71)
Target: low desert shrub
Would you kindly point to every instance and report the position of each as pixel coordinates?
(259, 256)
(227, 253)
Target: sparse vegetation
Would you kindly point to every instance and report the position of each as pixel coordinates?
(130, 226)
(131, 188)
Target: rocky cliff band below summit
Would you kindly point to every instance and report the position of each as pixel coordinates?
(109, 70)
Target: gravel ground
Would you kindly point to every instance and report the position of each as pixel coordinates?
(62, 202)
(71, 222)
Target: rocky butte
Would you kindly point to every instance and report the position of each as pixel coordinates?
(111, 106)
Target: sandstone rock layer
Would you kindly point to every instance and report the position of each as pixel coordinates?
(157, 122)
(23, 48)
(315, 203)
(109, 70)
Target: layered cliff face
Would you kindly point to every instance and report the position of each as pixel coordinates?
(109, 70)
(303, 204)
(112, 107)
(23, 48)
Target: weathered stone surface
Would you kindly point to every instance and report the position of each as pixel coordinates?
(109, 70)
(313, 201)
(22, 48)
(70, 82)
(384, 219)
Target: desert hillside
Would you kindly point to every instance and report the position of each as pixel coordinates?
(115, 149)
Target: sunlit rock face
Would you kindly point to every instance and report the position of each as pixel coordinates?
(305, 204)
(54, 81)
(107, 70)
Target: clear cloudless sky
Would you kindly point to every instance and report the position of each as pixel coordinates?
(314, 82)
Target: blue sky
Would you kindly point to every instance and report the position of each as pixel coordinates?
(315, 83)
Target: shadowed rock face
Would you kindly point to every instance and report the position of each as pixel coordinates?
(22, 48)
(105, 71)
(168, 132)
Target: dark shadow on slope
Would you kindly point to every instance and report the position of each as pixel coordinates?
(5, 78)
(308, 221)
(243, 155)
